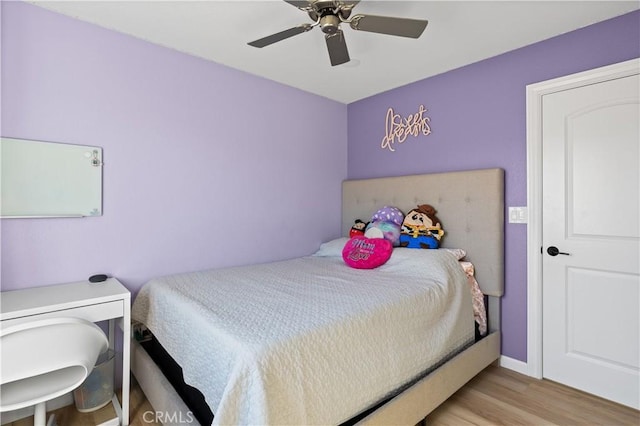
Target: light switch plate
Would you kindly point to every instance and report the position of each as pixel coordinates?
(518, 215)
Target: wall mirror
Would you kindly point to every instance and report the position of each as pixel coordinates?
(46, 179)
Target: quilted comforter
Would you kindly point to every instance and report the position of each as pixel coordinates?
(309, 340)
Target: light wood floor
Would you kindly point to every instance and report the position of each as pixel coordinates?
(496, 396)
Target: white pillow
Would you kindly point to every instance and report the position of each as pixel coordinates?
(408, 257)
(458, 253)
(332, 248)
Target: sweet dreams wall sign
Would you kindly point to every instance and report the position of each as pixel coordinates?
(398, 128)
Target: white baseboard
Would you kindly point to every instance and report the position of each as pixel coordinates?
(514, 364)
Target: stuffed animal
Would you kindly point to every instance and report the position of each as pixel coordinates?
(421, 228)
(385, 223)
(357, 228)
(361, 252)
(380, 235)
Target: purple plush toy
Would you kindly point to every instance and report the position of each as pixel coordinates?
(386, 223)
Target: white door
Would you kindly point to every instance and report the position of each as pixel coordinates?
(591, 215)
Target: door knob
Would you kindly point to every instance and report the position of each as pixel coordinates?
(553, 251)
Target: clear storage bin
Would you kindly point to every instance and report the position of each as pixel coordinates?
(96, 391)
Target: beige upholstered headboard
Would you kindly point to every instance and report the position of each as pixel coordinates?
(470, 205)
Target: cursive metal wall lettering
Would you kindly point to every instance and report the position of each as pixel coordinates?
(397, 129)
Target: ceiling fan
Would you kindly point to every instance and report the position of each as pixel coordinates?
(329, 14)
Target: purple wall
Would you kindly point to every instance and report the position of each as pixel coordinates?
(478, 120)
(205, 166)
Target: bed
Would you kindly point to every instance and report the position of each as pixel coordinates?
(259, 371)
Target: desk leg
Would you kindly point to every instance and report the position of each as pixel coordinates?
(124, 323)
(112, 340)
(126, 362)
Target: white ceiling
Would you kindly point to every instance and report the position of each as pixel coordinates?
(459, 33)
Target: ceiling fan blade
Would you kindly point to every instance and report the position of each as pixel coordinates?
(273, 38)
(300, 4)
(337, 46)
(349, 3)
(403, 27)
(304, 4)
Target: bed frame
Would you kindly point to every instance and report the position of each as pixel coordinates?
(471, 207)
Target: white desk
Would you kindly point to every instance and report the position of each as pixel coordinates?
(108, 300)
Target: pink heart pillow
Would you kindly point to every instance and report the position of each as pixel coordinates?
(366, 253)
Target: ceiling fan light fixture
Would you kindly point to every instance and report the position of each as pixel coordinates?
(329, 24)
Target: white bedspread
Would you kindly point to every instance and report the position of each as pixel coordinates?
(309, 340)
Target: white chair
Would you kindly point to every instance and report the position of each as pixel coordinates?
(44, 359)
